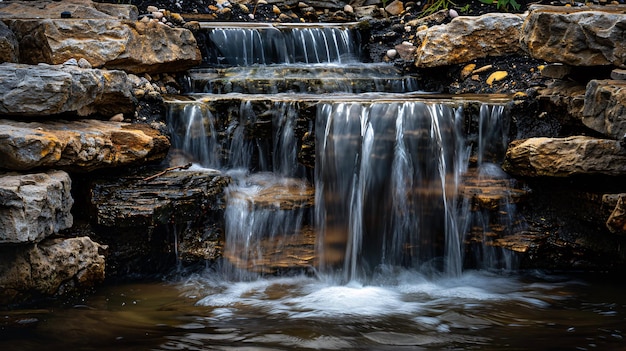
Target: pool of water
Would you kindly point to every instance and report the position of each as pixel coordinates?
(399, 310)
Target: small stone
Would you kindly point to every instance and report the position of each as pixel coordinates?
(83, 63)
(348, 9)
(158, 15)
(71, 62)
(139, 93)
(176, 17)
(276, 10)
(117, 118)
(421, 28)
(261, 2)
(66, 14)
(556, 70)
(251, 15)
(244, 8)
(467, 70)
(145, 19)
(151, 9)
(192, 25)
(483, 69)
(618, 74)
(303, 5)
(496, 76)
(395, 8)
(284, 18)
(453, 14)
(392, 53)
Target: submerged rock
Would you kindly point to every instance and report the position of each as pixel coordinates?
(34, 206)
(54, 267)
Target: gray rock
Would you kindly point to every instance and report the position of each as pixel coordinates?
(578, 36)
(618, 74)
(82, 145)
(54, 267)
(467, 38)
(41, 90)
(34, 206)
(77, 8)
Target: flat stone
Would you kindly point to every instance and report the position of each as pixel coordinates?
(618, 74)
(564, 157)
(467, 38)
(54, 267)
(605, 107)
(34, 206)
(556, 71)
(395, 8)
(82, 145)
(43, 90)
(577, 36)
(134, 47)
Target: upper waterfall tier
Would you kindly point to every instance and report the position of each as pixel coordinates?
(243, 45)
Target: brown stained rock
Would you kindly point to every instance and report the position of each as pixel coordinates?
(82, 145)
(134, 47)
(616, 222)
(564, 157)
(578, 36)
(467, 38)
(605, 107)
(54, 267)
(34, 206)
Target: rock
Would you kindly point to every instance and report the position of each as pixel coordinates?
(54, 267)
(616, 222)
(568, 96)
(82, 63)
(496, 77)
(467, 38)
(392, 53)
(9, 48)
(348, 9)
(34, 206)
(134, 47)
(556, 71)
(41, 90)
(78, 9)
(605, 107)
(82, 145)
(467, 70)
(406, 51)
(577, 36)
(365, 12)
(395, 8)
(618, 74)
(564, 157)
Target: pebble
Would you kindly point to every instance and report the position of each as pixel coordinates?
(158, 15)
(244, 8)
(117, 118)
(83, 63)
(392, 53)
(467, 70)
(261, 2)
(618, 74)
(482, 69)
(453, 14)
(496, 76)
(276, 10)
(348, 9)
(71, 62)
(151, 9)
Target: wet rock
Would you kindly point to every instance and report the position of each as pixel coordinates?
(605, 107)
(54, 267)
(41, 90)
(9, 49)
(564, 157)
(467, 38)
(34, 206)
(578, 36)
(134, 47)
(616, 222)
(82, 145)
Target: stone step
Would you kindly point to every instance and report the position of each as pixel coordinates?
(356, 78)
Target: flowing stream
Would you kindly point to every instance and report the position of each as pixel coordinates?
(368, 251)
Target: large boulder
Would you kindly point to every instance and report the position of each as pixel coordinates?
(82, 145)
(42, 90)
(9, 49)
(605, 107)
(467, 38)
(76, 9)
(564, 157)
(578, 36)
(135, 47)
(34, 206)
(54, 267)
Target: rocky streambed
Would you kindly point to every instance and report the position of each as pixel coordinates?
(83, 129)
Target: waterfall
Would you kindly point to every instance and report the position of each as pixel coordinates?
(270, 45)
(387, 178)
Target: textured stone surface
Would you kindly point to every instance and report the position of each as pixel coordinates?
(563, 157)
(467, 38)
(82, 145)
(135, 47)
(9, 50)
(41, 90)
(605, 107)
(34, 206)
(77, 8)
(54, 267)
(578, 36)
(616, 222)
